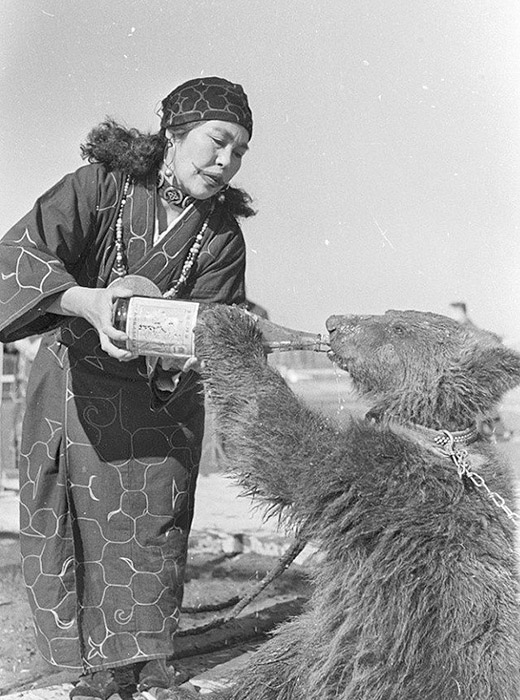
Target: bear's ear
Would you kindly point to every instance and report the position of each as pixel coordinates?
(486, 373)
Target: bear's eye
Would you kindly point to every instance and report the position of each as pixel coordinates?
(398, 330)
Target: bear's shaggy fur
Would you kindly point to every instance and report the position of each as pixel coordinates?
(416, 597)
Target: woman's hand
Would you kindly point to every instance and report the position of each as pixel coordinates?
(96, 307)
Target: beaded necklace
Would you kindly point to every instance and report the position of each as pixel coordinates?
(121, 264)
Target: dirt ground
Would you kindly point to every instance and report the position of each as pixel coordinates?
(211, 579)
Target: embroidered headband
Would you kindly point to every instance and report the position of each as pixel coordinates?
(203, 99)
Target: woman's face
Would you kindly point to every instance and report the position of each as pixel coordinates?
(206, 158)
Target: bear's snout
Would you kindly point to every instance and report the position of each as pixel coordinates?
(343, 323)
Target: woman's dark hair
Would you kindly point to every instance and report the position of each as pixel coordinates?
(120, 148)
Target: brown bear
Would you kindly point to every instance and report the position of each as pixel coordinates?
(416, 594)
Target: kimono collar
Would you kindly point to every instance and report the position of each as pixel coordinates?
(121, 264)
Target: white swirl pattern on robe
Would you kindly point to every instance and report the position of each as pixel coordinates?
(107, 484)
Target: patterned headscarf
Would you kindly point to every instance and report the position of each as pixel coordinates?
(203, 99)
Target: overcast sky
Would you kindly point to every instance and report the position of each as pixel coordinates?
(385, 160)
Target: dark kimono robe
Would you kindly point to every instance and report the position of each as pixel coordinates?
(108, 467)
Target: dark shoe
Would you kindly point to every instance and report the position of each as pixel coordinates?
(154, 674)
(99, 684)
(126, 680)
(157, 681)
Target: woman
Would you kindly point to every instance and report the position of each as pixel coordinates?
(109, 454)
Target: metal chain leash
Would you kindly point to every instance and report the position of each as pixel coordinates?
(459, 456)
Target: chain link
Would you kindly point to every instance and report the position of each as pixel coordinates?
(460, 458)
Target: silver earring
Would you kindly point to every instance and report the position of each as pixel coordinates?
(222, 194)
(167, 166)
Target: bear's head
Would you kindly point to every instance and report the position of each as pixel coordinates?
(422, 367)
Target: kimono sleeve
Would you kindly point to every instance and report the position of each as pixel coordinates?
(38, 255)
(220, 276)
